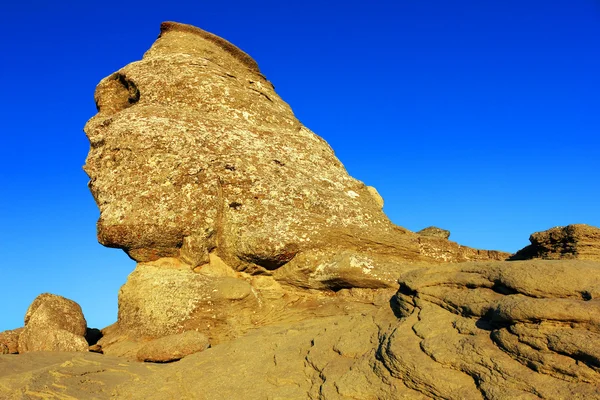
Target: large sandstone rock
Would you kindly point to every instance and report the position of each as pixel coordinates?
(164, 297)
(53, 323)
(192, 151)
(577, 241)
(204, 175)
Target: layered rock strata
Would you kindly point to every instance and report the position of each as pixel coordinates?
(274, 273)
(506, 330)
(577, 241)
(526, 329)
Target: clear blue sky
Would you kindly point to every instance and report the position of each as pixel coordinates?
(478, 116)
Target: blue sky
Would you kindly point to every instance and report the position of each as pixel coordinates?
(480, 117)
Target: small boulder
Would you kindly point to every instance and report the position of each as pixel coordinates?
(173, 347)
(435, 232)
(53, 323)
(10, 340)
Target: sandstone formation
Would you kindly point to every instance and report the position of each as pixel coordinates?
(435, 232)
(193, 152)
(266, 272)
(577, 241)
(499, 330)
(10, 341)
(53, 323)
(173, 347)
(204, 175)
(502, 330)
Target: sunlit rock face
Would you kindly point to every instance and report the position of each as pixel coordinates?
(193, 152)
(577, 241)
(192, 148)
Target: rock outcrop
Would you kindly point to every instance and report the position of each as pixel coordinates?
(266, 271)
(232, 207)
(498, 330)
(526, 329)
(193, 152)
(435, 232)
(577, 241)
(53, 323)
(9, 340)
(173, 347)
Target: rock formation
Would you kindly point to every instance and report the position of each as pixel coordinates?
(9, 341)
(578, 241)
(53, 323)
(193, 152)
(526, 329)
(435, 232)
(269, 272)
(232, 207)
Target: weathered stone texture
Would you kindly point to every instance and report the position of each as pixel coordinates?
(577, 241)
(252, 237)
(192, 151)
(435, 232)
(10, 340)
(53, 323)
(499, 330)
(173, 347)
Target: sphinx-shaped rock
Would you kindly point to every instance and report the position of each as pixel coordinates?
(577, 241)
(235, 211)
(192, 151)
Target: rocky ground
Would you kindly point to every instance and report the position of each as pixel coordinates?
(265, 271)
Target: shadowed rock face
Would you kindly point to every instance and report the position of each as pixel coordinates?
(192, 151)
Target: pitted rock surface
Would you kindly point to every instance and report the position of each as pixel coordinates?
(53, 323)
(251, 236)
(10, 340)
(192, 151)
(435, 232)
(238, 215)
(577, 241)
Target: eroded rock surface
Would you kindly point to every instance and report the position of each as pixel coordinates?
(204, 176)
(435, 232)
(10, 340)
(526, 329)
(192, 151)
(173, 347)
(506, 330)
(577, 241)
(251, 237)
(53, 323)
